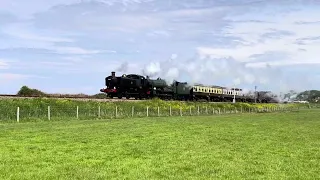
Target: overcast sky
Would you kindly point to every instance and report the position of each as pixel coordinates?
(69, 46)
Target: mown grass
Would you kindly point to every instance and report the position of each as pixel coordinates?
(246, 146)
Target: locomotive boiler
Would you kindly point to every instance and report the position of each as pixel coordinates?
(135, 86)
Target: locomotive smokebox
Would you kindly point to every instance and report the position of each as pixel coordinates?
(113, 74)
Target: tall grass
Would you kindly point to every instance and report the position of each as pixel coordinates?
(37, 108)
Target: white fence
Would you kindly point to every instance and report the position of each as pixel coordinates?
(57, 113)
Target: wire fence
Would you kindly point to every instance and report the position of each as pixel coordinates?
(53, 113)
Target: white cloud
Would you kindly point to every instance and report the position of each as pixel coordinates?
(3, 64)
(7, 63)
(78, 50)
(254, 42)
(12, 76)
(30, 37)
(15, 77)
(159, 33)
(26, 32)
(25, 9)
(55, 63)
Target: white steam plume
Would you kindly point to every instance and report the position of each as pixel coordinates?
(221, 72)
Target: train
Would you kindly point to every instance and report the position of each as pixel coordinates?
(142, 87)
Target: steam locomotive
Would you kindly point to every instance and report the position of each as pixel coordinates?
(140, 87)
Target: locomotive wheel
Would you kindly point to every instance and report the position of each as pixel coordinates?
(127, 95)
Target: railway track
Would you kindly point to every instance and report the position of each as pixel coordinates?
(10, 96)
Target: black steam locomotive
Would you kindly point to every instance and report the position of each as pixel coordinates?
(140, 87)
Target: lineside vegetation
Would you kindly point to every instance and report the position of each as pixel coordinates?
(36, 108)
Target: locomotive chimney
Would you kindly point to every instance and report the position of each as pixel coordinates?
(113, 74)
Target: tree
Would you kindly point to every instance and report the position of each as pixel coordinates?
(310, 95)
(26, 91)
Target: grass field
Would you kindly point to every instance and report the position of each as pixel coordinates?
(237, 146)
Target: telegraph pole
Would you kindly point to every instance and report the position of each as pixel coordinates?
(234, 95)
(255, 94)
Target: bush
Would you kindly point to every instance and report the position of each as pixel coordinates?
(26, 91)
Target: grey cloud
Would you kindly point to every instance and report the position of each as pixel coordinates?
(274, 33)
(307, 40)
(91, 16)
(95, 15)
(307, 22)
(7, 18)
(113, 23)
(252, 21)
(270, 56)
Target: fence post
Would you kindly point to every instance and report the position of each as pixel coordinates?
(212, 110)
(49, 113)
(116, 111)
(219, 111)
(170, 113)
(198, 110)
(77, 112)
(235, 110)
(158, 111)
(99, 111)
(18, 114)
(132, 111)
(147, 111)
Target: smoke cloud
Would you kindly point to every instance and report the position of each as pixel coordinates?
(225, 72)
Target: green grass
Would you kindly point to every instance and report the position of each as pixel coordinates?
(242, 146)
